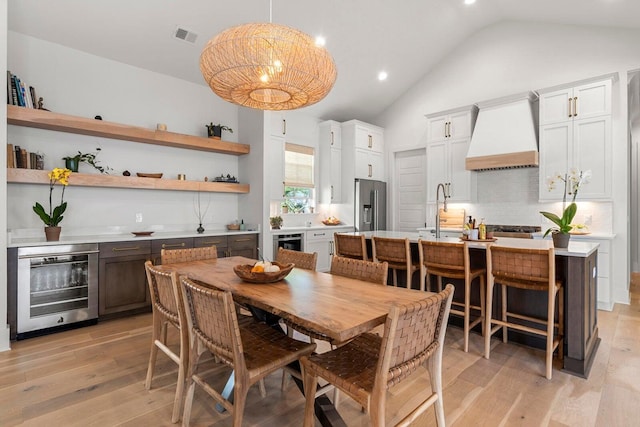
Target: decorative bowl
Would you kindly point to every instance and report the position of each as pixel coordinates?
(243, 271)
(327, 222)
(149, 175)
(233, 226)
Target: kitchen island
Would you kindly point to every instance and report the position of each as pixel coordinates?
(576, 266)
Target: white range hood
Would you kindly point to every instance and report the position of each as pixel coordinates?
(506, 134)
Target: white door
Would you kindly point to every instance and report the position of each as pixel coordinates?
(410, 200)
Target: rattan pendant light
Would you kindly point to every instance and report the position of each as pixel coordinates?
(268, 67)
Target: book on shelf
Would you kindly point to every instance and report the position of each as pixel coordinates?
(24, 158)
(16, 156)
(20, 93)
(10, 156)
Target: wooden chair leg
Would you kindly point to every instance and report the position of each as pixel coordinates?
(423, 273)
(482, 301)
(487, 317)
(435, 374)
(156, 330)
(395, 277)
(310, 385)
(467, 302)
(551, 311)
(505, 330)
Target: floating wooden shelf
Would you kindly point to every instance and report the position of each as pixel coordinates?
(43, 119)
(33, 176)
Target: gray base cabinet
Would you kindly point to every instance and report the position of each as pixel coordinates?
(122, 281)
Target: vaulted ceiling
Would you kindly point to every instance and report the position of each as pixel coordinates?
(405, 38)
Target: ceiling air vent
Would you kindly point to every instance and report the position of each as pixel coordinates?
(185, 35)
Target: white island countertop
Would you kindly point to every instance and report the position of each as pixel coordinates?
(575, 249)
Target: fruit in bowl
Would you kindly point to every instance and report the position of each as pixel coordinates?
(264, 267)
(263, 271)
(332, 220)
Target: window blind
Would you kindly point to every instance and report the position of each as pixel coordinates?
(298, 166)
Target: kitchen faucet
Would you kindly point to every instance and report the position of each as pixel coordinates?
(446, 193)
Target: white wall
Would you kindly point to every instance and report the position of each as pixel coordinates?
(4, 327)
(76, 83)
(513, 57)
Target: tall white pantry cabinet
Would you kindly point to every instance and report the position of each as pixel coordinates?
(575, 133)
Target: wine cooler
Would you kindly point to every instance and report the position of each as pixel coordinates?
(57, 285)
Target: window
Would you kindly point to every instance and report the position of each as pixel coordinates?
(298, 178)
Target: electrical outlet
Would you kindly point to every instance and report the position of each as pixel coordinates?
(139, 217)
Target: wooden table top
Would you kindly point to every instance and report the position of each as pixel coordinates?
(336, 306)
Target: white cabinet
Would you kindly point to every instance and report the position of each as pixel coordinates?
(277, 123)
(449, 135)
(275, 153)
(363, 151)
(320, 241)
(581, 140)
(330, 146)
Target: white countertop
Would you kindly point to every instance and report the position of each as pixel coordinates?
(575, 249)
(118, 237)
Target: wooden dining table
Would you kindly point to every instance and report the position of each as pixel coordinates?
(336, 306)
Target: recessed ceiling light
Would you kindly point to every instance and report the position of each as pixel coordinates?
(382, 75)
(320, 41)
(469, 1)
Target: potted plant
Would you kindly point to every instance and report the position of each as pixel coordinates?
(276, 222)
(572, 181)
(73, 162)
(285, 208)
(54, 217)
(215, 131)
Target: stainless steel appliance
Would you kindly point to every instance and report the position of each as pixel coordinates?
(57, 285)
(287, 241)
(517, 231)
(370, 205)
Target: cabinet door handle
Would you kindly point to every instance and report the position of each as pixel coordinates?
(570, 107)
(212, 242)
(130, 248)
(370, 171)
(243, 240)
(318, 234)
(575, 106)
(331, 248)
(370, 141)
(173, 245)
(284, 126)
(331, 137)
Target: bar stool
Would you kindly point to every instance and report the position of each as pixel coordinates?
(527, 269)
(397, 252)
(451, 260)
(350, 246)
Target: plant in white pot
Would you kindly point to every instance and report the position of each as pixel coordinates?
(572, 183)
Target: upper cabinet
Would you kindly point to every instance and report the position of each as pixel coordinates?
(366, 142)
(449, 135)
(330, 146)
(576, 103)
(575, 132)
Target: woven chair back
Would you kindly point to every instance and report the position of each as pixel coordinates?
(369, 271)
(171, 256)
(523, 268)
(413, 332)
(303, 260)
(212, 318)
(443, 255)
(392, 250)
(162, 286)
(350, 246)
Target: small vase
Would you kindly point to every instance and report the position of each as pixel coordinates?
(71, 164)
(200, 229)
(52, 233)
(560, 240)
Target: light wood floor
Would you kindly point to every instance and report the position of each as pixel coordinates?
(94, 376)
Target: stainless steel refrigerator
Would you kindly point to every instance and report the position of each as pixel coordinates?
(370, 205)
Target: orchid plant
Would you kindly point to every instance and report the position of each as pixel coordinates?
(53, 218)
(572, 183)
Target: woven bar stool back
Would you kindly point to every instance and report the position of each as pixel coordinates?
(171, 256)
(397, 252)
(303, 260)
(350, 246)
(366, 367)
(451, 261)
(253, 349)
(168, 309)
(369, 271)
(530, 269)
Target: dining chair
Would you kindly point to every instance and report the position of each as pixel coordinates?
(304, 260)
(451, 261)
(369, 271)
(525, 269)
(168, 309)
(367, 366)
(252, 349)
(397, 252)
(171, 256)
(350, 246)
